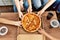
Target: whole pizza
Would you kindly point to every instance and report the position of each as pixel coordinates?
(31, 22)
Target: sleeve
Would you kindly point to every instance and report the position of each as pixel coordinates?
(45, 2)
(37, 3)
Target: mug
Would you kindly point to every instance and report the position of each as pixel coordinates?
(54, 23)
(3, 30)
(49, 16)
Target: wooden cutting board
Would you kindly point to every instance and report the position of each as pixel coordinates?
(30, 37)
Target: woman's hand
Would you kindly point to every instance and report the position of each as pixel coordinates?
(20, 15)
(41, 31)
(29, 9)
(40, 13)
(18, 23)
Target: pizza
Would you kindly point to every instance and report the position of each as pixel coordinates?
(31, 22)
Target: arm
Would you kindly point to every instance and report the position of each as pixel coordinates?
(30, 6)
(6, 21)
(46, 34)
(29, 2)
(49, 36)
(18, 7)
(47, 5)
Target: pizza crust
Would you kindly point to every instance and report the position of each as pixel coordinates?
(31, 22)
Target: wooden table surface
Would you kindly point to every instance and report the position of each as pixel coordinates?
(55, 32)
(12, 34)
(12, 30)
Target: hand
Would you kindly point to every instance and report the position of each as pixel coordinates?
(29, 9)
(21, 5)
(20, 15)
(40, 13)
(41, 31)
(46, 34)
(18, 23)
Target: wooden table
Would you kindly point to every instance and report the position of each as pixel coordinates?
(12, 30)
(17, 33)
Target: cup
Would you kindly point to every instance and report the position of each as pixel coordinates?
(54, 23)
(49, 16)
(3, 30)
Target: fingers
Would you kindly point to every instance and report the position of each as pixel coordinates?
(29, 10)
(38, 14)
(21, 15)
(41, 31)
(18, 23)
